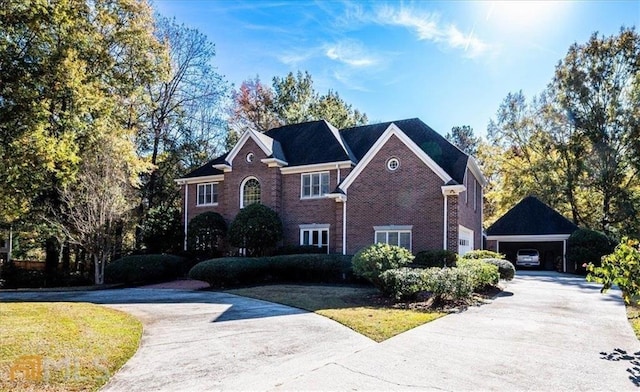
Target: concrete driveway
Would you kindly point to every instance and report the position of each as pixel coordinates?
(545, 332)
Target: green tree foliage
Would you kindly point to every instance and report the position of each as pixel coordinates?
(574, 146)
(291, 99)
(162, 230)
(621, 268)
(464, 138)
(256, 228)
(206, 233)
(586, 246)
(370, 262)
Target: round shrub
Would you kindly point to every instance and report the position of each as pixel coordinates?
(483, 254)
(205, 233)
(403, 283)
(482, 274)
(436, 258)
(299, 250)
(144, 269)
(256, 228)
(588, 246)
(373, 260)
(505, 268)
(449, 283)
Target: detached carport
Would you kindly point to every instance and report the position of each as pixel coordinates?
(531, 224)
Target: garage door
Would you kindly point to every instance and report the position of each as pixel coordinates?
(465, 240)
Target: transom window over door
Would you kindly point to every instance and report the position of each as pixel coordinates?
(249, 192)
(315, 185)
(394, 235)
(315, 235)
(207, 194)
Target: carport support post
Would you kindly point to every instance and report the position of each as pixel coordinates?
(564, 256)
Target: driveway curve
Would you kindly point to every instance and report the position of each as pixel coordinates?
(546, 332)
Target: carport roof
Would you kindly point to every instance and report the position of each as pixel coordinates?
(531, 217)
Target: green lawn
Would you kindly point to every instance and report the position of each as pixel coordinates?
(358, 308)
(78, 345)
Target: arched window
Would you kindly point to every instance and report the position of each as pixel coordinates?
(249, 192)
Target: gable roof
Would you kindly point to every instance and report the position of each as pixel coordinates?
(531, 217)
(444, 153)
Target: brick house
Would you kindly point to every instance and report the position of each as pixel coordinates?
(398, 182)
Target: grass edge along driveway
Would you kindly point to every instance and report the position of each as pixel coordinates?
(77, 346)
(358, 308)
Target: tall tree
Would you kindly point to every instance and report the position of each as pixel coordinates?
(291, 100)
(464, 139)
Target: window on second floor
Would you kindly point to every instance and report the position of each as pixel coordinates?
(249, 192)
(314, 185)
(207, 194)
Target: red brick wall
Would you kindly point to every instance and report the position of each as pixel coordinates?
(411, 195)
(453, 220)
(468, 216)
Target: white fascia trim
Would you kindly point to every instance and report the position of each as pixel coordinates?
(528, 238)
(223, 166)
(339, 197)
(377, 146)
(477, 173)
(316, 167)
(274, 162)
(452, 189)
(393, 228)
(197, 180)
(267, 149)
(312, 226)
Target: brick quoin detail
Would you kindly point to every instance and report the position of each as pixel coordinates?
(452, 223)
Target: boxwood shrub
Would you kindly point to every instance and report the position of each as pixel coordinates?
(483, 254)
(505, 268)
(145, 269)
(435, 258)
(482, 274)
(306, 268)
(442, 283)
(373, 260)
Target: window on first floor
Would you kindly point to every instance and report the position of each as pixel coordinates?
(314, 185)
(315, 235)
(394, 235)
(207, 194)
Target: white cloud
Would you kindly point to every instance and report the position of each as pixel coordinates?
(351, 53)
(428, 27)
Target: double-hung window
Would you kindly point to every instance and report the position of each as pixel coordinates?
(393, 235)
(207, 194)
(315, 235)
(314, 185)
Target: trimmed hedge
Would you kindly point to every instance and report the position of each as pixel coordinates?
(145, 269)
(299, 250)
(373, 260)
(483, 254)
(240, 271)
(505, 268)
(483, 274)
(435, 258)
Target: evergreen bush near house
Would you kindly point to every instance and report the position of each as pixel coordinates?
(145, 269)
(482, 274)
(241, 271)
(505, 268)
(587, 246)
(299, 250)
(205, 234)
(435, 258)
(621, 268)
(373, 260)
(483, 254)
(403, 283)
(256, 228)
(162, 230)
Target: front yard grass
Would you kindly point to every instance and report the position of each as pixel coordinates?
(359, 308)
(78, 346)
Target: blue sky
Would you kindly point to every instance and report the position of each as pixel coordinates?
(447, 62)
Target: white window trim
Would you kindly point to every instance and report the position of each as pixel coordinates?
(394, 229)
(198, 204)
(316, 227)
(322, 195)
(242, 189)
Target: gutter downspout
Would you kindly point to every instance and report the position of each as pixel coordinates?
(186, 219)
(444, 246)
(344, 227)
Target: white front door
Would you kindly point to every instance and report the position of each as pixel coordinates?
(465, 240)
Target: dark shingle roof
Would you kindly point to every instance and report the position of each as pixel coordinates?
(207, 169)
(308, 143)
(531, 217)
(446, 155)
